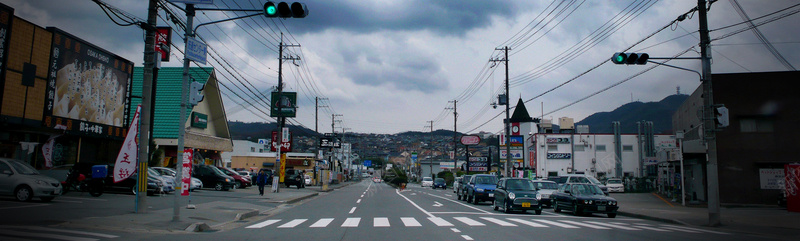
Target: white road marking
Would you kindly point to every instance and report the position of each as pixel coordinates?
(410, 222)
(680, 229)
(322, 223)
(351, 222)
(359, 201)
(623, 227)
(353, 210)
(380, 222)
(61, 231)
(652, 228)
(499, 222)
(412, 203)
(695, 229)
(466, 237)
(555, 223)
(44, 235)
(264, 224)
(455, 230)
(440, 222)
(583, 224)
(529, 223)
(437, 204)
(80, 198)
(469, 221)
(293, 223)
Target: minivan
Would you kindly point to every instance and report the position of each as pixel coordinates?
(211, 176)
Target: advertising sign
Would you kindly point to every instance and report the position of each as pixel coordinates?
(367, 163)
(792, 181)
(6, 15)
(199, 120)
(286, 144)
(283, 106)
(515, 153)
(515, 140)
(771, 178)
(470, 140)
(559, 155)
(163, 42)
(478, 164)
(557, 140)
(282, 171)
(86, 87)
(186, 174)
(330, 142)
(196, 50)
(129, 153)
(447, 165)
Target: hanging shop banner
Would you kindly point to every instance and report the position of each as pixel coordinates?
(47, 151)
(186, 174)
(284, 105)
(86, 87)
(129, 153)
(163, 42)
(6, 17)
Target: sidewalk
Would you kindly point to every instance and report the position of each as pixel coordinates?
(207, 216)
(768, 221)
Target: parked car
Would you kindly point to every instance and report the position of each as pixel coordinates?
(294, 177)
(377, 179)
(21, 180)
(456, 184)
(581, 178)
(239, 180)
(211, 176)
(439, 183)
(462, 190)
(154, 185)
(307, 179)
(169, 181)
(584, 198)
(545, 189)
(427, 182)
(516, 194)
(481, 187)
(166, 171)
(615, 185)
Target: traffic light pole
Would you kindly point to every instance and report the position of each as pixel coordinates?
(507, 121)
(708, 118)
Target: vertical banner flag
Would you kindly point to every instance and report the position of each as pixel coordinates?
(47, 151)
(282, 171)
(129, 153)
(186, 175)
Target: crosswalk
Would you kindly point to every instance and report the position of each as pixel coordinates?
(9, 232)
(411, 222)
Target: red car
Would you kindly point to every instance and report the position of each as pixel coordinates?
(240, 181)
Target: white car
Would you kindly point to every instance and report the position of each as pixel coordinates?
(21, 180)
(307, 179)
(427, 182)
(615, 185)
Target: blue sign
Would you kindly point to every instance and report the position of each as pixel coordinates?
(196, 50)
(367, 163)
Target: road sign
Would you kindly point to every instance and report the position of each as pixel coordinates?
(263, 141)
(367, 163)
(196, 50)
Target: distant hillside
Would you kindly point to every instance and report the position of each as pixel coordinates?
(439, 132)
(660, 113)
(256, 130)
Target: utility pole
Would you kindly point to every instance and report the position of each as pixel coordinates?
(316, 112)
(281, 119)
(333, 130)
(455, 131)
(430, 161)
(507, 122)
(147, 104)
(188, 33)
(708, 118)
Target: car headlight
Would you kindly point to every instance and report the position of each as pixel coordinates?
(538, 196)
(587, 201)
(512, 195)
(613, 203)
(227, 180)
(479, 189)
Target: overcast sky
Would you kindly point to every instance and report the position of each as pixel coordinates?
(391, 66)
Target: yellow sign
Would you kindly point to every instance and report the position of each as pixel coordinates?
(282, 171)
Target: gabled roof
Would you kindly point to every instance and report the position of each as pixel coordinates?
(168, 97)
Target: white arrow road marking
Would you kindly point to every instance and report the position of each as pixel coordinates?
(437, 204)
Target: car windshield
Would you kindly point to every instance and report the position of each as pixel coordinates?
(586, 190)
(23, 168)
(594, 180)
(152, 172)
(485, 180)
(439, 180)
(547, 185)
(427, 179)
(520, 184)
(614, 181)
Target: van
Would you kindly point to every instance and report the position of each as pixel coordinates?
(211, 176)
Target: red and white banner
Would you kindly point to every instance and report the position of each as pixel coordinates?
(186, 176)
(47, 151)
(129, 153)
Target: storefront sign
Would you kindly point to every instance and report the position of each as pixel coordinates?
(469, 140)
(559, 155)
(163, 42)
(447, 165)
(771, 178)
(286, 146)
(86, 87)
(199, 120)
(283, 105)
(6, 17)
(478, 164)
(186, 175)
(515, 140)
(556, 140)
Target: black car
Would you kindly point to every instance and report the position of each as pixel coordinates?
(211, 176)
(294, 178)
(439, 182)
(462, 191)
(584, 198)
(516, 194)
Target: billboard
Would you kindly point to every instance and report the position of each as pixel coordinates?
(86, 87)
(284, 105)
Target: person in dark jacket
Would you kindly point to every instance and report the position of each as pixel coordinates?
(261, 181)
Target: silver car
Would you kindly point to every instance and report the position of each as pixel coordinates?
(169, 172)
(23, 182)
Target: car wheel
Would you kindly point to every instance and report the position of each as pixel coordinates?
(494, 205)
(556, 208)
(219, 186)
(23, 193)
(507, 208)
(475, 200)
(612, 215)
(539, 212)
(237, 185)
(575, 210)
(458, 195)
(47, 199)
(133, 190)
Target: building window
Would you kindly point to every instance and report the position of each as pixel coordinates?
(600, 147)
(580, 148)
(552, 147)
(552, 174)
(627, 148)
(756, 125)
(252, 149)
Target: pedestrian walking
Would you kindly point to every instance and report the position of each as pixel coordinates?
(261, 180)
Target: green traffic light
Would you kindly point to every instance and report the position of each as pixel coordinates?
(620, 59)
(271, 10)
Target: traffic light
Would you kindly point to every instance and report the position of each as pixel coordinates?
(630, 58)
(285, 10)
(195, 92)
(721, 117)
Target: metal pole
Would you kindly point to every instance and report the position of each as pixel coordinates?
(508, 119)
(708, 119)
(182, 123)
(147, 103)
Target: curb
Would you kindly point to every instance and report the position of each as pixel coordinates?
(302, 198)
(199, 227)
(245, 215)
(652, 218)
